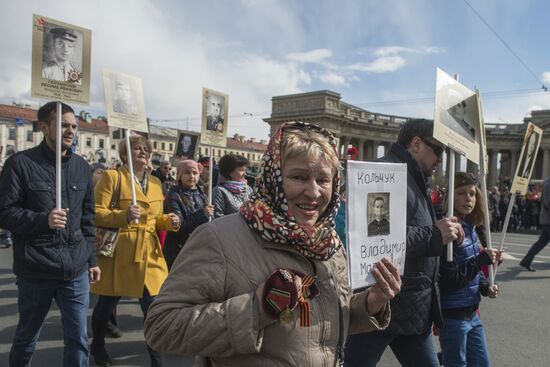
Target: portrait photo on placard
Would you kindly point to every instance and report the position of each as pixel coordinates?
(124, 101)
(62, 54)
(531, 143)
(123, 95)
(378, 214)
(60, 61)
(187, 144)
(215, 112)
(214, 118)
(457, 117)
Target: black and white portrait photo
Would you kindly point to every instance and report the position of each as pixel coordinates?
(458, 117)
(215, 112)
(62, 54)
(124, 101)
(61, 61)
(187, 145)
(378, 214)
(122, 92)
(530, 144)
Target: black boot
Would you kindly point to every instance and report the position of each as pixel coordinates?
(156, 358)
(101, 357)
(112, 330)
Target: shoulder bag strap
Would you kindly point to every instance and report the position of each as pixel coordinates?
(116, 195)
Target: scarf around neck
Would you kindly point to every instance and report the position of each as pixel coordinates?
(236, 187)
(266, 211)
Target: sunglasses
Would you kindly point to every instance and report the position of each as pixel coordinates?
(438, 150)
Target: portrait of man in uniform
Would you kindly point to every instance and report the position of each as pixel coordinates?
(378, 214)
(62, 55)
(214, 112)
(123, 97)
(528, 159)
(187, 144)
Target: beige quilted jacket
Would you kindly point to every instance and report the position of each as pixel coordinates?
(208, 305)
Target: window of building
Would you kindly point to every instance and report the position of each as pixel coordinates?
(162, 146)
(154, 145)
(171, 147)
(11, 133)
(200, 151)
(248, 155)
(89, 142)
(30, 135)
(113, 146)
(225, 152)
(101, 143)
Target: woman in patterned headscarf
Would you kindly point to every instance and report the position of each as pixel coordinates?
(269, 287)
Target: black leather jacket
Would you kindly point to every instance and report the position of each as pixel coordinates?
(27, 196)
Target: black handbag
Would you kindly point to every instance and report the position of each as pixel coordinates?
(106, 238)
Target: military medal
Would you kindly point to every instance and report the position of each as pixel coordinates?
(286, 316)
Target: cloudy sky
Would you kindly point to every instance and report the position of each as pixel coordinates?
(379, 55)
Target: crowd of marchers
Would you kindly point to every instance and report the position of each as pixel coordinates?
(241, 276)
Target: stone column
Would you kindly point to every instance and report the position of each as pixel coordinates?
(513, 162)
(458, 161)
(372, 149)
(361, 148)
(344, 142)
(546, 163)
(492, 179)
(439, 169)
(385, 145)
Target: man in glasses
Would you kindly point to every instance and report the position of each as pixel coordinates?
(54, 249)
(417, 306)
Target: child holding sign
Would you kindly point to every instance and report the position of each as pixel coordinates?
(461, 282)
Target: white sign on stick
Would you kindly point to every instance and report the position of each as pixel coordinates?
(527, 158)
(456, 118)
(376, 217)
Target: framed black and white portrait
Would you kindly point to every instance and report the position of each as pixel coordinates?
(187, 146)
(378, 214)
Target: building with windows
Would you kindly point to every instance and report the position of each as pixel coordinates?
(95, 140)
(372, 132)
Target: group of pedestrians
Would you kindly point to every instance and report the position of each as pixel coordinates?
(265, 282)
(525, 212)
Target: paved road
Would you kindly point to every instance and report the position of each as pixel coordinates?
(516, 324)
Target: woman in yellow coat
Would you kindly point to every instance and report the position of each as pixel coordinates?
(137, 268)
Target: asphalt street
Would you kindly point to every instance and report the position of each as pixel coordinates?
(517, 324)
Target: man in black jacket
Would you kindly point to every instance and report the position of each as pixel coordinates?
(417, 306)
(54, 249)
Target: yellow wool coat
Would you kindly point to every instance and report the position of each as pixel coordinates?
(137, 261)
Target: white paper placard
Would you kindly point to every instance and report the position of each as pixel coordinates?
(376, 217)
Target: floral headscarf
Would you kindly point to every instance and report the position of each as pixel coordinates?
(267, 213)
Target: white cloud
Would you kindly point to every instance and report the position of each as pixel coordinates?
(313, 56)
(546, 77)
(390, 58)
(381, 65)
(434, 50)
(332, 78)
(392, 50)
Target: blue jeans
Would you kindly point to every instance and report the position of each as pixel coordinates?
(365, 350)
(537, 246)
(34, 301)
(463, 343)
